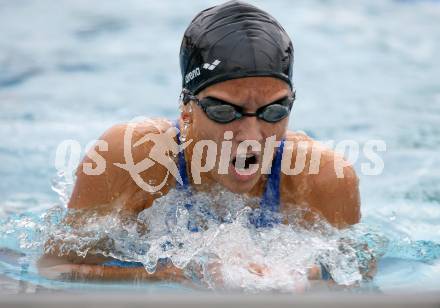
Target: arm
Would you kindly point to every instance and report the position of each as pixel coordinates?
(111, 192)
(326, 185)
(330, 191)
(63, 269)
(337, 198)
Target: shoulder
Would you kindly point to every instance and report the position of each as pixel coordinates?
(322, 180)
(128, 143)
(134, 130)
(117, 166)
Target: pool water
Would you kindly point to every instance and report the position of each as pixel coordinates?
(71, 69)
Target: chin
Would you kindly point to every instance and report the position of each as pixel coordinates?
(238, 187)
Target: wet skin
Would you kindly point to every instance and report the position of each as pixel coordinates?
(323, 193)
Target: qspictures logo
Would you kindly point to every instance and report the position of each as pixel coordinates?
(163, 149)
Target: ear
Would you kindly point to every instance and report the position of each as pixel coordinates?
(186, 112)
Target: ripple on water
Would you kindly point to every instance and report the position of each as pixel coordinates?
(16, 68)
(95, 26)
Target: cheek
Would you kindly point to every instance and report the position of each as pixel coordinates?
(204, 128)
(278, 129)
(283, 126)
(199, 121)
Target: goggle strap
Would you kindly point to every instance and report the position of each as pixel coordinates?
(186, 96)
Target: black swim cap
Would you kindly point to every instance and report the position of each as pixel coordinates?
(234, 40)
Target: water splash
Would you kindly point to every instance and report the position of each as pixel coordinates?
(62, 185)
(210, 237)
(244, 257)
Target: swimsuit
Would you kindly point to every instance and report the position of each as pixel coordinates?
(264, 217)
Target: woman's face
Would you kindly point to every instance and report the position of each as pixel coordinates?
(250, 94)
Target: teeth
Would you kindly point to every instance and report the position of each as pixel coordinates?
(246, 156)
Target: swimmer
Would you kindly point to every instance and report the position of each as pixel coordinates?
(236, 64)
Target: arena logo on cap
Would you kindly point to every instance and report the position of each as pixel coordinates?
(211, 66)
(191, 75)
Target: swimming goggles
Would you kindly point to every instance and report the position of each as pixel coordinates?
(225, 112)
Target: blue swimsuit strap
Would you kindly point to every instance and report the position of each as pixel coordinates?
(271, 197)
(270, 202)
(181, 163)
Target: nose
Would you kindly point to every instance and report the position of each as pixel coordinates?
(249, 128)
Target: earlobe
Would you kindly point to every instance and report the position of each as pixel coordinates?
(186, 113)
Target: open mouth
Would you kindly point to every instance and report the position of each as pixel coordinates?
(245, 162)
